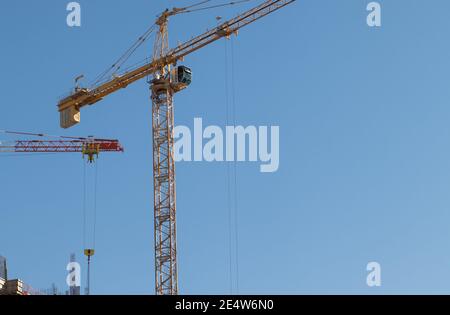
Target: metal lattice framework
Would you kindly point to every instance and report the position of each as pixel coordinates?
(163, 123)
(166, 277)
(164, 190)
(48, 146)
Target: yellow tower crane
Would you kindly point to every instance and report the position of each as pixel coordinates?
(167, 79)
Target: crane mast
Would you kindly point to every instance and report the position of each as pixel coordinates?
(162, 90)
(167, 80)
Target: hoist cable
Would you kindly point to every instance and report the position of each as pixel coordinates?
(95, 202)
(21, 133)
(216, 6)
(197, 4)
(125, 57)
(84, 205)
(230, 235)
(236, 219)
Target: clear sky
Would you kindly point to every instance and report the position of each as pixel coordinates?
(364, 159)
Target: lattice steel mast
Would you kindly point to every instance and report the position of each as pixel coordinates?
(166, 277)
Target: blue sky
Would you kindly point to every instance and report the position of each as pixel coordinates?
(364, 157)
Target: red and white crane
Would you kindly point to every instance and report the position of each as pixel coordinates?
(41, 143)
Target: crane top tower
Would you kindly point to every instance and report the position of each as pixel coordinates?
(69, 107)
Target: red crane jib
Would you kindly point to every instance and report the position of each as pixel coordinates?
(25, 146)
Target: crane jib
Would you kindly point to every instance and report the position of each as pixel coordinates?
(70, 106)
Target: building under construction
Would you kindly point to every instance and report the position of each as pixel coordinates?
(19, 287)
(14, 286)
